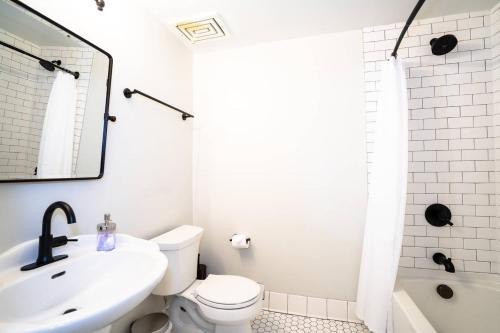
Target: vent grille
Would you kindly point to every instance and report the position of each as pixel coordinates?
(201, 30)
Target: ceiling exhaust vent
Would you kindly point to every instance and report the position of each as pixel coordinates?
(201, 29)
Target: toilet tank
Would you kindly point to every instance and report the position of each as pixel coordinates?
(181, 247)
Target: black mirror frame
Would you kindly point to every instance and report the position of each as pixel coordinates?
(107, 117)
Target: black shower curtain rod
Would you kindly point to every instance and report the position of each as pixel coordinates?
(414, 13)
(48, 65)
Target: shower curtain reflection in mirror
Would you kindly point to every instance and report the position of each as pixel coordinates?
(55, 159)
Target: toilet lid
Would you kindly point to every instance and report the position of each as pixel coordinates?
(226, 291)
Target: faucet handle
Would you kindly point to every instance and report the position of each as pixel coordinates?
(62, 240)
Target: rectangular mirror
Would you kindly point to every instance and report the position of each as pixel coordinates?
(54, 98)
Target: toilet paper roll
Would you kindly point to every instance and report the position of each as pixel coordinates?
(240, 241)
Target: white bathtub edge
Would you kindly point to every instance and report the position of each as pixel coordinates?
(489, 279)
(417, 322)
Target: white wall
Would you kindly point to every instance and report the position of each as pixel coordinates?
(279, 154)
(147, 181)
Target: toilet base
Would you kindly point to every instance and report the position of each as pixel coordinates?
(245, 328)
(186, 318)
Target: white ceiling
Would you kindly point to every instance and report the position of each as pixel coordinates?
(256, 21)
(18, 22)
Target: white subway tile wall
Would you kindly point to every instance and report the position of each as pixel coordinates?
(24, 91)
(20, 119)
(454, 102)
(493, 253)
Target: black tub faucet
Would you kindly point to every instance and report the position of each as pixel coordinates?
(46, 240)
(441, 259)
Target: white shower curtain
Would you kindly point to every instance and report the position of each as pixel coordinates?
(386, 201)
(55, 158)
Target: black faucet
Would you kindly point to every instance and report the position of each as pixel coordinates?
(441, 259)
(46, 241)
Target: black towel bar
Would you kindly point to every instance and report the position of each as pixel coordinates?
(128, 93)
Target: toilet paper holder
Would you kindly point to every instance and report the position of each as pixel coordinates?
(248, 239)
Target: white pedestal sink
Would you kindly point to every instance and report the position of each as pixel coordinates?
(83, 293)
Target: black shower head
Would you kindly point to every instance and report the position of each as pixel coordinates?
(47, 65)
(443, 44)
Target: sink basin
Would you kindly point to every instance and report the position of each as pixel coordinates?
(83, 293)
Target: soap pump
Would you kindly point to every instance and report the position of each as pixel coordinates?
(106, 237)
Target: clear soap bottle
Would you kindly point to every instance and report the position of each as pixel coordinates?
(106, 237)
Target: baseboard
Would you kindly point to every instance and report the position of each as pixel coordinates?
(310, 306)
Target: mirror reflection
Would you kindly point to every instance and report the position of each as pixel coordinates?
(53, 90)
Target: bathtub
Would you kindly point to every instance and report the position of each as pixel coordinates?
(474, 307)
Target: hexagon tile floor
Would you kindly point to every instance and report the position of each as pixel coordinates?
(275, 322)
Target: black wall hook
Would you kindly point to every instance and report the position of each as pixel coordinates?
(438, 215)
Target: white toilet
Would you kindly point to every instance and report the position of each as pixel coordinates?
(220, 304)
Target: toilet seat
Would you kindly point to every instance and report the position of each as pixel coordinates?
(227, 292)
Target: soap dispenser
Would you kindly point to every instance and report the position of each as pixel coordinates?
(106, 237)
